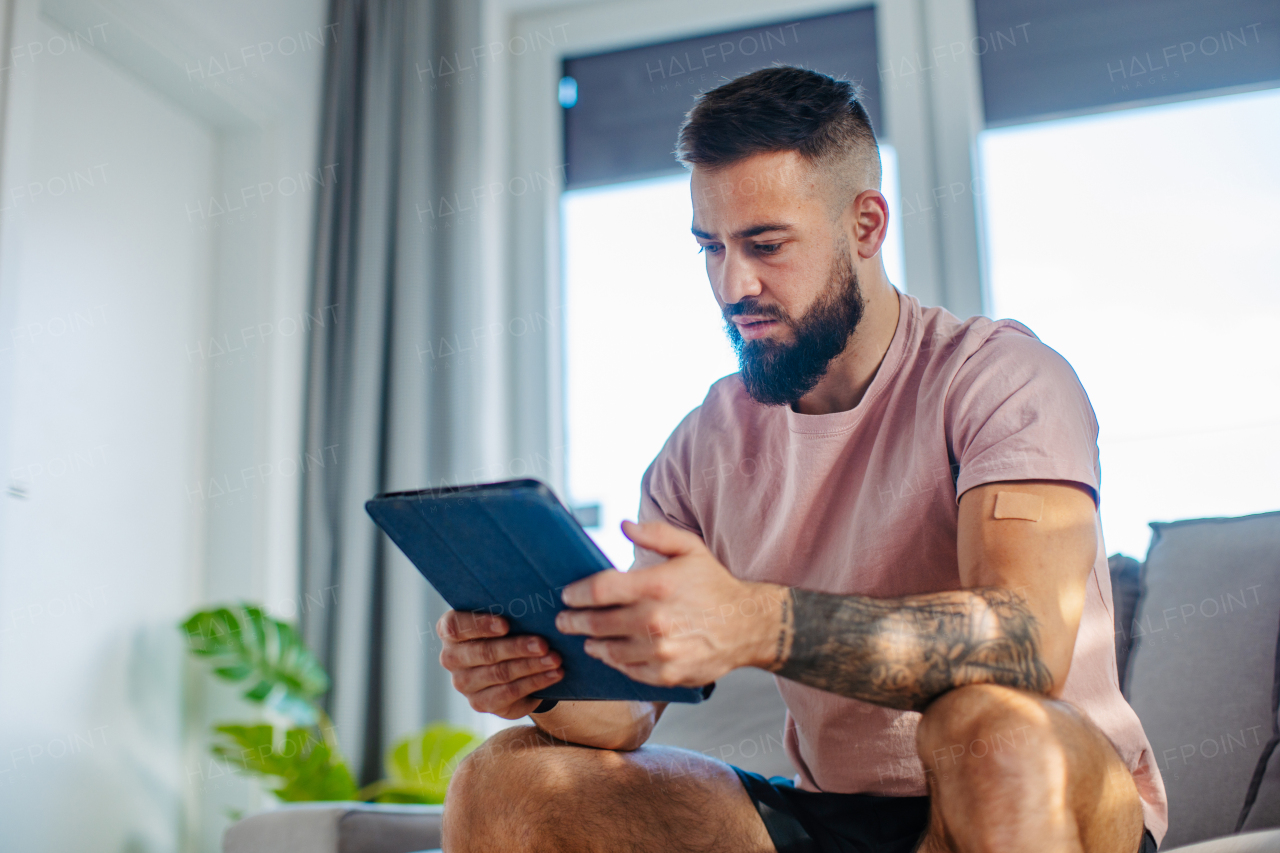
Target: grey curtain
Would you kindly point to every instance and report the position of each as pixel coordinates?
(374, 408)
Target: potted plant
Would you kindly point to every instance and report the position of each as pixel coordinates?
(295, 747)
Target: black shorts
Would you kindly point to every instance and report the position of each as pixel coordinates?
(815, 822)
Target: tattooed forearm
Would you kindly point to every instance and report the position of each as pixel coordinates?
(905, 652)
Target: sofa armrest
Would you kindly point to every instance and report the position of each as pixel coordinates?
(337, 828)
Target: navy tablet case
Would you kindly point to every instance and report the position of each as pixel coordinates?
(509, 548)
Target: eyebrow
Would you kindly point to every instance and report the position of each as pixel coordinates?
(746, 233)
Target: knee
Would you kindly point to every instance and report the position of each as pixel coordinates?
(990, 731)
(500, 792)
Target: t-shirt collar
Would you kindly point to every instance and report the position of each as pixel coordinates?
(837, 422)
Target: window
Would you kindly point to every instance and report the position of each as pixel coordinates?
(1142, 246)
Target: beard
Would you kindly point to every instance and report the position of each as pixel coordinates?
(778, 374)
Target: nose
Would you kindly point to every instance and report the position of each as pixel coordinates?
(735, 278)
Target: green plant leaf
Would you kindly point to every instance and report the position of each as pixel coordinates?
(308, 768)
(246, 645)
(419, 767)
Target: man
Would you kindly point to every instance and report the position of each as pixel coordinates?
(892, 510)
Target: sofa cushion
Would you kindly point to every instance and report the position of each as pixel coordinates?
(1126, 586)
(389, 829)
(742, 723)
(1264, 787)
(1202, 664)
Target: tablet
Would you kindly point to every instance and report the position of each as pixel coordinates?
(509, 549)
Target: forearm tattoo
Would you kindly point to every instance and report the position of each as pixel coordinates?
(905, 652)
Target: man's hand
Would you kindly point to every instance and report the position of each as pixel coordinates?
(684, 622)
(495, 672)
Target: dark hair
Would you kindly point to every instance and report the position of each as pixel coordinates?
(782, 108)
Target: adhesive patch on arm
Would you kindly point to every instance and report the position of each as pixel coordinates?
(1023, 505)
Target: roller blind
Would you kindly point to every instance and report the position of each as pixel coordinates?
(1046, 59)
(627, 105)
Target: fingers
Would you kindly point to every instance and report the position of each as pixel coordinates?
(621, 652)
(490, 650)
(477, 678)
(496, 672)
(461, 625)
(665, 539)
(503, 699)
(611, 622)
(601, 589)
(638, 659)
(612, 587)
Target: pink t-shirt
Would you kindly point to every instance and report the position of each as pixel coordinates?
(866, 502)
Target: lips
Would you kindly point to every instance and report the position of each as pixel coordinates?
(752, 328)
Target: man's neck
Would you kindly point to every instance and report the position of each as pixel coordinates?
(850, 373)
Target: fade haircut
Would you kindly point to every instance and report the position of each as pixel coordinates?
(784, 108)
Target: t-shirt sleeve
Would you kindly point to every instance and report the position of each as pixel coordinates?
(1017, 411)
(664, 489)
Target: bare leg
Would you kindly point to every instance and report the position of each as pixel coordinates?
(524, 791)
(1009, 771)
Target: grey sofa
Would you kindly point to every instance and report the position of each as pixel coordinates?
(1198, 643)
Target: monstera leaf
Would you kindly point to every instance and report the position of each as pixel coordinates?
(246, 645)
(419, 767)
(310, 768)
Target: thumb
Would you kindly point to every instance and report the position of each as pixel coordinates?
(663, 538)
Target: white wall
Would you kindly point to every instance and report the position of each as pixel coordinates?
(116, 413)
(105, 286)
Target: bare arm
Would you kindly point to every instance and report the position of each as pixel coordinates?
(1014, 624)
(905, 652)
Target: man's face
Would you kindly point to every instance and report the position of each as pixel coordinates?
(781, 270)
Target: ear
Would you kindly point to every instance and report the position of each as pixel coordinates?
(869, 212)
